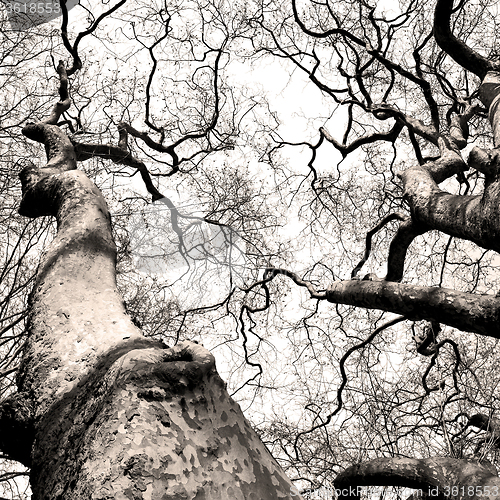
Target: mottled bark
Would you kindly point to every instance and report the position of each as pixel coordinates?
(104, 412)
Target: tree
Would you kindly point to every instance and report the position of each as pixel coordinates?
(100, 410)
(362, 60)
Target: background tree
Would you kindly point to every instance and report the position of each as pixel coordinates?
(412, 120)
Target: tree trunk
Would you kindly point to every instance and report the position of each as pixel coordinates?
(101, 411)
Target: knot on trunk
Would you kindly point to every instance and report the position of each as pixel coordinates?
(485, 161)
(175, 369)
(39, 192)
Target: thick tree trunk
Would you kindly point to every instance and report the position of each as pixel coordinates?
(104, 412)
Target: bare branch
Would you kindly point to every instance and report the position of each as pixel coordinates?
(73, 49)
(389, 136)
(416, 473)
(465, 311)
(270, 272)
(455, 48)
(369, 236)
(406, 233)
(343, 373)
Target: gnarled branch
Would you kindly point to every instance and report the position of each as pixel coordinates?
(455, 48)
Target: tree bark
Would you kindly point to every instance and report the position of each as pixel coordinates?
(489, 93)
(105, 412)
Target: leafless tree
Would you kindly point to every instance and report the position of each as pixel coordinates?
(413, 89)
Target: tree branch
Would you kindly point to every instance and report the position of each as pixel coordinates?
(73, 49)
(60, 153)
(369, 235)
(455, 48)
(389, 136)
(406, 233)
(472, 217)
(422, 474)
(464, 311)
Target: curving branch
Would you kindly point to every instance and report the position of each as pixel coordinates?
(345, 149)
(156, 146)
(73, 49)
(455, 48)
(369, 235)
(271, 272)
(59, 150)
(65, 102)
(120, 155)
(459, 126)
(426, 474)
(426, 343)
(406, 233)
(343, 384)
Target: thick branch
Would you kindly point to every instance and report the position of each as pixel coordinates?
(455, 48)
(120, 156)
(486, 423)
(459, 126)
(442, 473)
(65, 102)
(465, 311)
(58, 147)
(475, 218)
